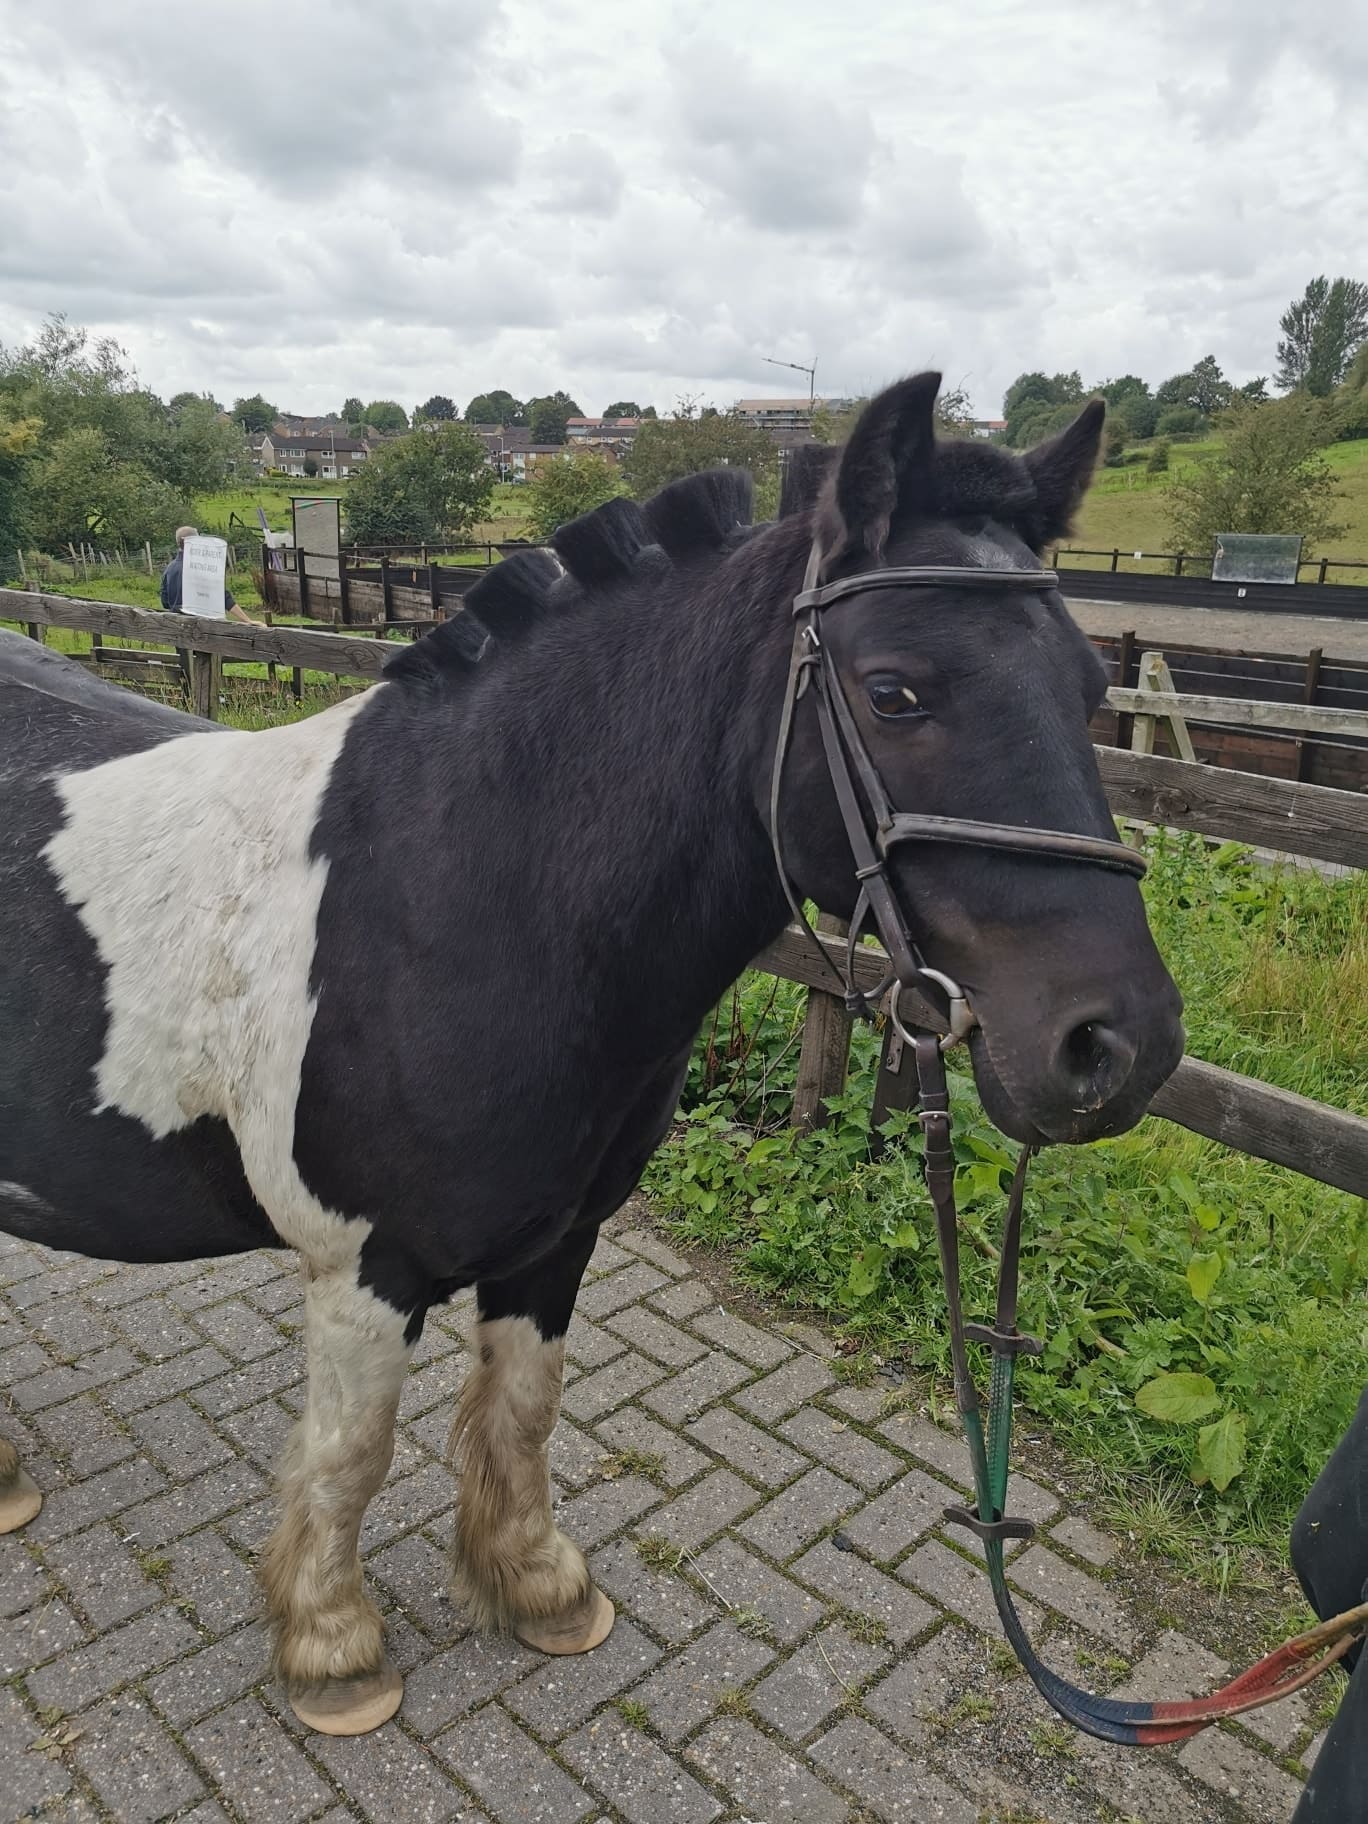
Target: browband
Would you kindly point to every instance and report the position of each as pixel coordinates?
(902, 576)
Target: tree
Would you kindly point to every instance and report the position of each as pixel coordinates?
(18, 441)
(547, 417)
(1035, 402)
(1204, 388)
(1139, 412)
(497, 407)
(386, 415)
(1114, 443)
(1268, 477)
(622, 408)
(686, 443)
(569, 485)
(1158, 458)
(1256, 391)
(420, 488)
(1180, 421)
(1351, 400)
(255, 414)
(353, 412)
(1322, 331)
(649, 411)
(439, 409)
(79, 490)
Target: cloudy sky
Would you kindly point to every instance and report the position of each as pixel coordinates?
(642, 198)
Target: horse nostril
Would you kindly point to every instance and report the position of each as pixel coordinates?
(1096, 1060)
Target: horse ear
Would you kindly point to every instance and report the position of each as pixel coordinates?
(889, 452)
(1061, 470)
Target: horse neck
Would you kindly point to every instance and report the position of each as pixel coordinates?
(624, 755)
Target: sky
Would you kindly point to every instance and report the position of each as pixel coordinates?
(637, 199)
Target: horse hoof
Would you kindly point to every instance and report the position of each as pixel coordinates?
(579, 1630)
(349, 1706)
(20, 1500)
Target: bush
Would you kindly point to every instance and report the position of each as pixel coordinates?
(1114, 444)
(1267, 477)
(1158, 460)
(567, 486)
(429, 485)
(1180, 421)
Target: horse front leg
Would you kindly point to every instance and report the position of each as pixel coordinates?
(19, 1496)
(512, 1567)
(329, 1638)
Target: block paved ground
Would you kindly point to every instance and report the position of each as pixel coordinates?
(799, 1640)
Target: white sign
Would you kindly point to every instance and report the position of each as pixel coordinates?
(205, 560)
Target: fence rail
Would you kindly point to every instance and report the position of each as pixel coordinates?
(1179, 559)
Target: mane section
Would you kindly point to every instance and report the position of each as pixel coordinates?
(602, 546)
(701, 514)
(457, 645)
(515, 594)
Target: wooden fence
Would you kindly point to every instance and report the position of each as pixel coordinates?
(1284, 815)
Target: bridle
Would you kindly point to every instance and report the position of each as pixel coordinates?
(874, 829)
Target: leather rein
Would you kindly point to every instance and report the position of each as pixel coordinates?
(931, 1013)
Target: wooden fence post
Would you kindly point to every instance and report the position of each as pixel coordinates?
(1125, 652)
(895, 1087)
(344, 588)
(1309, 688)
(302, 572)
(386, 606)
(206, 679)
(826, 1046)
(1156, 679)
(434, 594)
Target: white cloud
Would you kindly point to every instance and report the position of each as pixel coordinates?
(636, 197)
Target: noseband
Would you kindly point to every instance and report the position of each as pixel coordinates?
(874, 829)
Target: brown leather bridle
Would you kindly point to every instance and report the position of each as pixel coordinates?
(873, 827)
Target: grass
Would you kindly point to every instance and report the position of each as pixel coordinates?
(1127, 509)
(1156, 1253)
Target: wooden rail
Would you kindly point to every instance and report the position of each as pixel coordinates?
(1243, 712)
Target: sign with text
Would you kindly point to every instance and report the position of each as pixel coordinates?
(205, 561)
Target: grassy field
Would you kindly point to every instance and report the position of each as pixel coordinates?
(214, 512)
(1126, 508)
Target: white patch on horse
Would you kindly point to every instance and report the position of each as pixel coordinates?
(985, 553)
(189, 866)
(20, 1197)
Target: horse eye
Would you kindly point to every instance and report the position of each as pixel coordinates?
(890, 698)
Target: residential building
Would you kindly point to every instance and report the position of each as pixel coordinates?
(595, 431)
(323, 455)
(787, 414)
(987, 427)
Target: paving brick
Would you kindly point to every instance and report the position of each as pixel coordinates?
(260, 1431)
(229, 1390)
(686, 1688)
(941, 1449)
(179, 1439)
(84, 1435)
(926, 1682)
(831, 1441)
(607, 1257)
(689, 1391)
(575, 1458)
(590, 1346)
(242, 1333)
(655, 1337)
(911, 1508)
(897, 1787)
(102, 1577)
(133, 1763)
(279, 1296)
(436, 1385)
(49, 1281)
(631, 1429)
(745, 1447)
(694, 1517)
(595, 1394)
(251, 1757)
(30, 1780)
(207, 1284)
(1174, 1667)
(619, 1289)
(509, 1773)
(73, 1509)
(22, 1583)
(743, 1581)
(156, 1329)
(411, 1501)
(605, 1509)
(799, 1696)
(418, 1574)
(633, 1774)
(125, 1283)
(72, 1331)
(210, 1576)
(786, 1389)
(662, 1600)
(794, 1518)
(864, 1404)
(387, 1776)
(58, 1384)
(1074, 1593)
(680, 1301)
(1084, 1540)
(761, 1348)
(465, 1676)
(36, 1635)
(166, 1379)
(1280, 1724)
(1242, 1773)
(28, 1360)
(1138, 1784)
(564, 1692)
(652, 1248)
(764, 1781)
(817, 1342)
(961, 1586)
(846, 1578)
(114, 1660)
(208, 1497)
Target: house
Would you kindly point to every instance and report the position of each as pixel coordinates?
(593, 433)
(327, 455)
(786, 414)
(987, 427)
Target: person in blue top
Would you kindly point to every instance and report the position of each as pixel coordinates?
(171, 589)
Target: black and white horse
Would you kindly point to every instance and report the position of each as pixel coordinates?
(410, 986)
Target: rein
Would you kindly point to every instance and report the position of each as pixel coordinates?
(931, 1029)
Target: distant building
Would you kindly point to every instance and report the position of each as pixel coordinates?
(613, 434)
(329, 455)
(987, 427)
(787, 414)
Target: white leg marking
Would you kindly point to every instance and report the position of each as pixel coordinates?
(189, 866)
(327, 1627)
(510, 1561)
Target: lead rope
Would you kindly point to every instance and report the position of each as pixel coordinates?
(1134, 1723)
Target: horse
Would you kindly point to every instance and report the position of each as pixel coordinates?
(410, 986)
